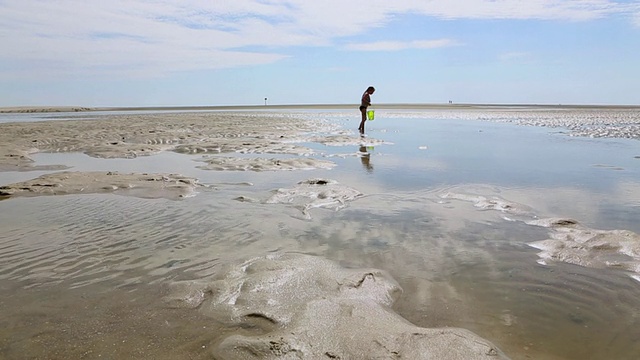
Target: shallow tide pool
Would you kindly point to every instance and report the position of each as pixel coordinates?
(449, 209)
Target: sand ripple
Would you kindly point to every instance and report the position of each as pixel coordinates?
(116, 238)
(261, 164)
(130, 136)
(91, 249)
(253, 146)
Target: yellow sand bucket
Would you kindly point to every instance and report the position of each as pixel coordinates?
(370, 114)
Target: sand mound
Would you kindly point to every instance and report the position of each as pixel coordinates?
(490, 203)
(12, 159)
(569, 241)
(574, 243)
(314, 193)
(306, 307)
(171, 186)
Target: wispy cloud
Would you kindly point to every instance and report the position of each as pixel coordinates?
(636, 18)
(135, 37)
(402, 45)
(517, 9)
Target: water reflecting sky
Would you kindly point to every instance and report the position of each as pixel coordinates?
(459, 266)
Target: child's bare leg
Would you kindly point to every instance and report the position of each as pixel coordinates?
(364, 119)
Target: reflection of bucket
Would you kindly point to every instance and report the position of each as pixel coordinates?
(370, 114)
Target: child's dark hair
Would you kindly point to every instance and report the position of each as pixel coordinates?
(371, 88)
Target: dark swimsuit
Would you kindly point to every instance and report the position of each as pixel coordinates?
(364, 102)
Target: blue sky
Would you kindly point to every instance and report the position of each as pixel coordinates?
(237, 52)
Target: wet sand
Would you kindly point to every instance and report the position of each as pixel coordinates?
(104, 276)
(145, 135)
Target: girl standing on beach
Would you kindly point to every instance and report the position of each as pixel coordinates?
(365, 102)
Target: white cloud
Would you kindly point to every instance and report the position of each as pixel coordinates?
(144, 37)
(402, 45)
(636, 19)
(518, 9)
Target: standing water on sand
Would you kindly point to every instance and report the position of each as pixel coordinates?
(181, 235)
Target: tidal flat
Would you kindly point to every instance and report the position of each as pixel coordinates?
(266, 234)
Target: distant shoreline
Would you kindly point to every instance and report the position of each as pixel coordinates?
(53, 109)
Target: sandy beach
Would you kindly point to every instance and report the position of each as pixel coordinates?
(266, 249)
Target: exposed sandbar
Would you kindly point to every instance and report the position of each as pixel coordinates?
(569, 241)
(132, 136)
(307, 307)
(171, 186)
(43, 109)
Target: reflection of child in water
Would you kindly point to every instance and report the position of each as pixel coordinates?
(364, 158)
(365, 102)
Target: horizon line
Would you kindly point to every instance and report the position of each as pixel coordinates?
(405, 106)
